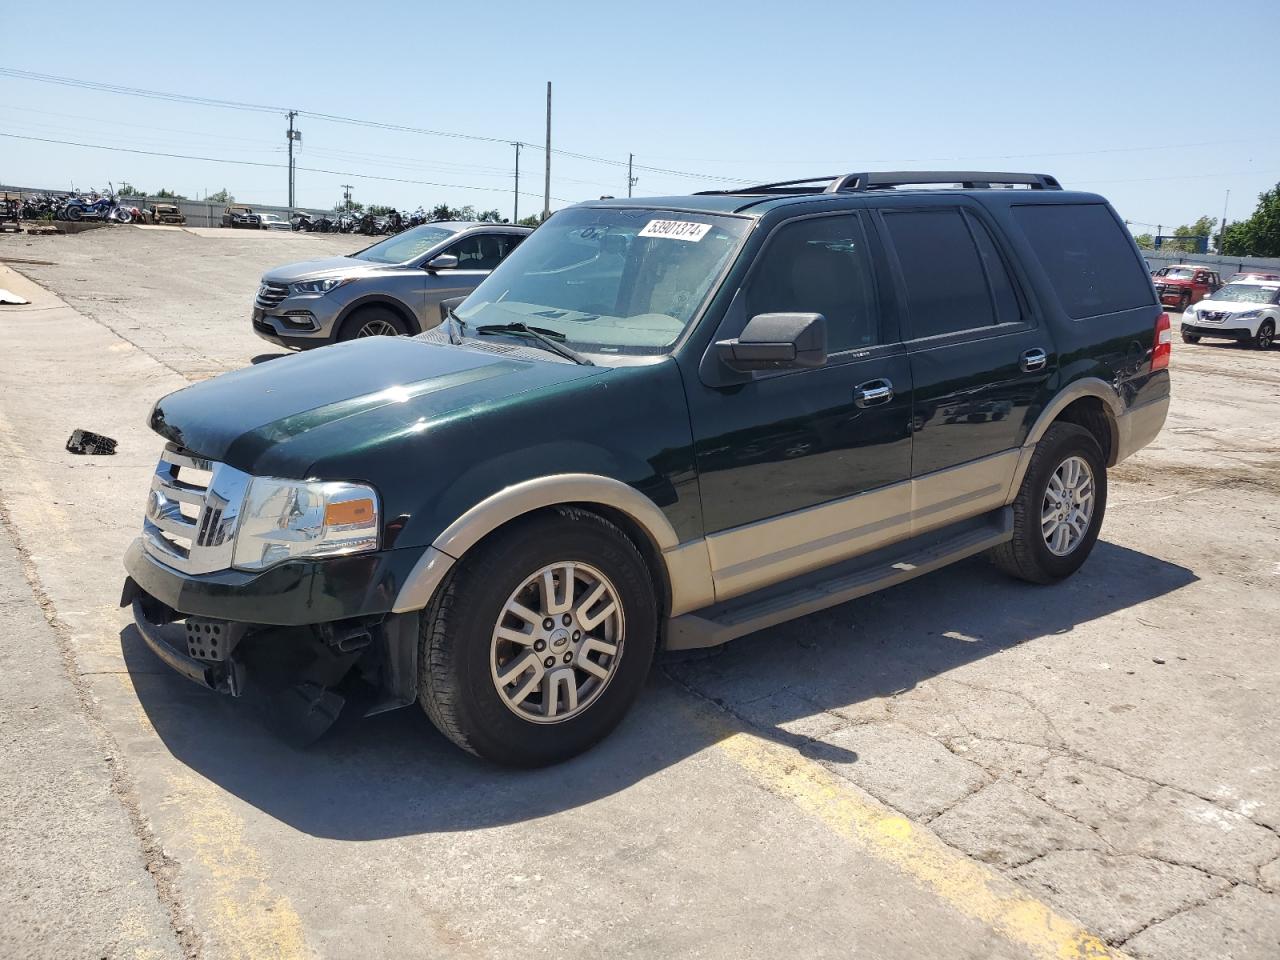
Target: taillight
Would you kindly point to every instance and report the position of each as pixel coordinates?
(1162, 347)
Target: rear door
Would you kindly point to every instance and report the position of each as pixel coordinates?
(979, 361)
(801, 468)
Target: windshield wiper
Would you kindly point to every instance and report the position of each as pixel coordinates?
(455, 326)
(553, 340)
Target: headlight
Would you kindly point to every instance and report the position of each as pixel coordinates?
(1248, 315)
(286, 519)
(318, 286)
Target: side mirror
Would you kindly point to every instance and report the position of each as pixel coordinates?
(446, 261)
(777, 341)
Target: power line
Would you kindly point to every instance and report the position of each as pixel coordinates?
(272, 166)
(333, 118)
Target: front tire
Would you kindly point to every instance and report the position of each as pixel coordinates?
(372, 322)
(1191, 338)
(519, 668)
(1059, 508)
(1265, 336)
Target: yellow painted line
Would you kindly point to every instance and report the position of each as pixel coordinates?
(971, 888)
(250, 920)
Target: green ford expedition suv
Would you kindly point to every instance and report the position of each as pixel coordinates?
(659, 424)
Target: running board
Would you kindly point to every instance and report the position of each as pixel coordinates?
(830, 586)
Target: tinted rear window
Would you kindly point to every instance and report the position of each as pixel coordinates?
(1088, 257)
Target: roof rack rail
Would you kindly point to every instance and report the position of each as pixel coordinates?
(860, 182)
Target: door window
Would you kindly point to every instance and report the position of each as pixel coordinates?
(481, 251)
(1088, 257)
(946, 286)
(819, 265)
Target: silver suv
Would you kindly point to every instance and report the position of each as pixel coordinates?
(389, 289)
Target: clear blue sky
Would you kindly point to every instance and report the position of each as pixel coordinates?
(1136, 101)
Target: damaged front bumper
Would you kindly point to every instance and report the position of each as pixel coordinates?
(282, 645)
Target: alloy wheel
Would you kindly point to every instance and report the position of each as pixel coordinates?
(557, 642)
(1067, 508)
(378, 328)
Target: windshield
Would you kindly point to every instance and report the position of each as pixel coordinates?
(1176, 273)
(610, 280)
(408, 245)
(1247, 293)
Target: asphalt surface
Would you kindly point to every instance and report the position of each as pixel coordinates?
(962, 766)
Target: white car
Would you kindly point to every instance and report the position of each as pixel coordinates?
(273, 221)
(1247, 310)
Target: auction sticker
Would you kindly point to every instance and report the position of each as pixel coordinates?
(675, 230)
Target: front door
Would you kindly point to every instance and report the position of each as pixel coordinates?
(477, 255)
(978, 363)
(801, 468)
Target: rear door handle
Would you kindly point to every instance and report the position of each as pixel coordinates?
(1033, 360)
(873, 393)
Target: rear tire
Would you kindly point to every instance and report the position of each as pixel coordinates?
(373, 322)
(1183, 302)
(463, 652)
(1038, 552)
(1265, 336)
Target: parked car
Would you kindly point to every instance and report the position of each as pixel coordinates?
(273, 221)
(657, 424)
(392, 288)
(241, 217)
(165, 213)
(1255, 275)
(1247, 311)
(1181, 285)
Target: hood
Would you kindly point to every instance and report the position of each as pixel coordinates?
(280, 417)
(346, 266)
(1229, 306)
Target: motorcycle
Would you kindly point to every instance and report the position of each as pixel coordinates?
(105, 208)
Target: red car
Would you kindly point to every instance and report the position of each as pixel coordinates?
(1183, 284)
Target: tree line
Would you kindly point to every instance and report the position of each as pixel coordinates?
(1256, 236)
(441, 211)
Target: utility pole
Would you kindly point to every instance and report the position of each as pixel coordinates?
(1222, 230)
(346, 195)
(292, 136)
(515, 213)
(631, 181)
(546, 196)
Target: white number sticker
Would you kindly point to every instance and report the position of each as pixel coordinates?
(676, 230)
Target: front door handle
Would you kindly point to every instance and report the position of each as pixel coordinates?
(1033, 360)
(873, 393)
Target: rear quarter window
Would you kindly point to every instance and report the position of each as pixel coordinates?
(1087, 256)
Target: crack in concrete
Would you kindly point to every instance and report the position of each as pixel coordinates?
(1201, 902)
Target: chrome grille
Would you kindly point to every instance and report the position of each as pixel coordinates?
(272, 294)
(192, 511)
(1212, 316)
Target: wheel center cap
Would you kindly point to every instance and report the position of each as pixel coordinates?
(559, 638)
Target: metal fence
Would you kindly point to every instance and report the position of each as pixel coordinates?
(1224, 265)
